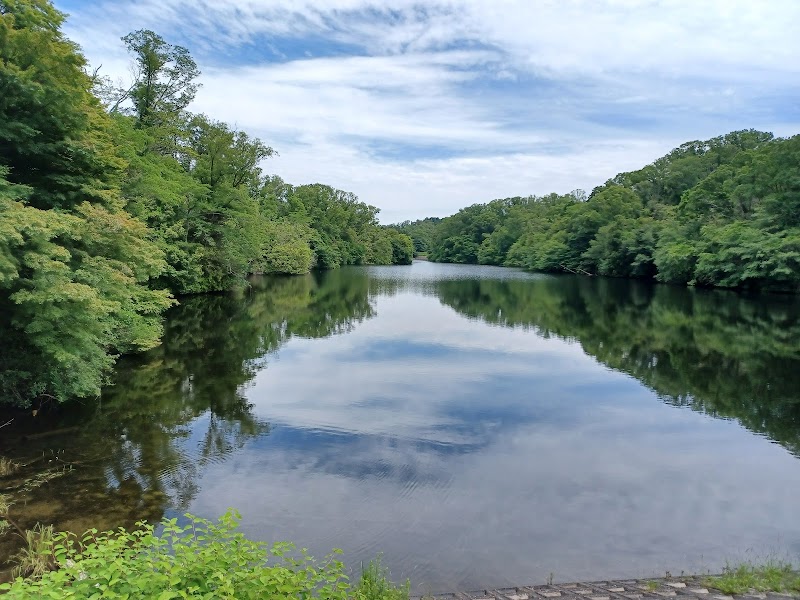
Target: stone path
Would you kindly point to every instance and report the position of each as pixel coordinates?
(682, 588)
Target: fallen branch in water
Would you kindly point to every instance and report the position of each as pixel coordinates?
(7, 424)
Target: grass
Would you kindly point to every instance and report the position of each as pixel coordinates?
(651, 585)
(771, 576)
(5, 506)
(7, 466)
(375, 584)
(36, 557)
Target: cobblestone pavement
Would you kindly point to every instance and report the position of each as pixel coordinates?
(681, 588)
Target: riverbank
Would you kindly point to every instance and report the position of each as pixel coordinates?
(677, 588)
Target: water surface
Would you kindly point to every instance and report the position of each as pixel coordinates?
(478, 426)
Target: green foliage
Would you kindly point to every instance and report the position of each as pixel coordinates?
(740, 255)
(421, 233)
(771, 576)
(287, 249)
(375, 584)
(75, 268)
(198, 559)
(53, 135)
(402, 247)
(164, 78)
(722, 212)
(102, 216)
(459, 238)
(201, 559)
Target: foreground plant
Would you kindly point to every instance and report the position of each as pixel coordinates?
(7, 466)
(375, 584)
(200, 560)
(772, 576)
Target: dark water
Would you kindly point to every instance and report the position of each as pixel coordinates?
(478, 426)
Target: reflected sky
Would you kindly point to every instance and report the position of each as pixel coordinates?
(480, 427)
(474, 455)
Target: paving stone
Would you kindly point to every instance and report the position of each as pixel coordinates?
(688, 589)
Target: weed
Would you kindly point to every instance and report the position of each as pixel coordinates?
(375, 584)
(772, 576)
(36, 558)
(201, 559)
(5, 504)
(7, 466)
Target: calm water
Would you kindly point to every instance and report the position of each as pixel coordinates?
(478, 426)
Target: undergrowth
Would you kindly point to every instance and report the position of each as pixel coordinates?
(202, 559)
(7, 466)
(771, 576)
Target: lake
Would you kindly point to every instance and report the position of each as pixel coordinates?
(478, 426)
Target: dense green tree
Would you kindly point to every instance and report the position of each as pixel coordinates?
(421, 233)
(402, 247)
(52, 132)
(75, 267)
(721, 212)
(459, 238)
(164, 78)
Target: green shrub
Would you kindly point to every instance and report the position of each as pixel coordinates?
(200, 560)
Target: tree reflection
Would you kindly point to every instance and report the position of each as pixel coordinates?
(143, 445)
(717, 352)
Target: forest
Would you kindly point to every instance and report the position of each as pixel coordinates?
(116, 200)
(724, 212)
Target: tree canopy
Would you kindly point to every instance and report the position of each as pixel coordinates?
(109, 209)
(723, 212)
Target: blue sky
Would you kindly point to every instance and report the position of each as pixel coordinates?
(421, 108)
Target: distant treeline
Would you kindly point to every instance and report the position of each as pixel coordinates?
(114, 199)
(724, 212)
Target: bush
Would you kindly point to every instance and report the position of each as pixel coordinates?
(200, 560)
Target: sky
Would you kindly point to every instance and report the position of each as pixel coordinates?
(422, 108)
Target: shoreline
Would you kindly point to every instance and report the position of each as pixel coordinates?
(693, 587)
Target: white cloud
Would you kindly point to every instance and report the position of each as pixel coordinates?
(423, 108)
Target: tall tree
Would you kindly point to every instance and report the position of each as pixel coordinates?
(164, 78)
(74, 266)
